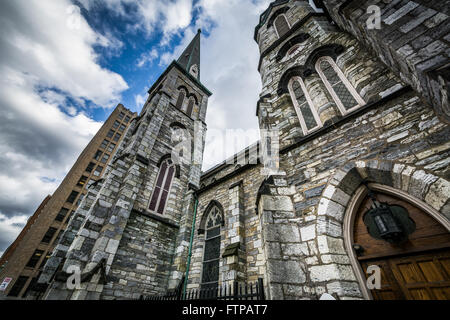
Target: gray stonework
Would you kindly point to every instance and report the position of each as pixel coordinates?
(413, 41)
(288, 228)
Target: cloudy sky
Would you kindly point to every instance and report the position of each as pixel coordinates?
(66, 64)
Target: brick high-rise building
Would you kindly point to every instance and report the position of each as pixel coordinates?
(24, 259)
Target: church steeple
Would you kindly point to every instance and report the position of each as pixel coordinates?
(190, 58)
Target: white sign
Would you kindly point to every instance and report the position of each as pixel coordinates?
(5, 284)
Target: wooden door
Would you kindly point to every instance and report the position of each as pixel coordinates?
(418, 269)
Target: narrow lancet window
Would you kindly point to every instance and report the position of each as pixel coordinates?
(211, 257)
(162, 188)
(309, 119)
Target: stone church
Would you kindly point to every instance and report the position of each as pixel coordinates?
(362, 179)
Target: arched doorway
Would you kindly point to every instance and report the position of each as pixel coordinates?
(416, 269)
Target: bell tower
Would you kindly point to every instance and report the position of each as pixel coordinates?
(127, 238)
(313, 74)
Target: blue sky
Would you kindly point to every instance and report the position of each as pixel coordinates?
(66, 64)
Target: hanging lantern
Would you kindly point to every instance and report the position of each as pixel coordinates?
(389, 223)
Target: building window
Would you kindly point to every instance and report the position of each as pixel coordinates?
(72, 197)
(116, 124)
(62, 214)
(111, 147)
(49, 235)
(121, 115)
(104, 144)
(98, 154)
(82, 181)
(343, 93)
(47, 256)
(122, 128)
(30, 287)
(35, 258)
(116, 137)
(281, 25)
(18, 286)
(90, 167)
(307, 114)
(127, 119)
(105, 158)
(180, 100)
(98, 171)
(162, 187)
(110, 133)
(211, 256)
(80, 199)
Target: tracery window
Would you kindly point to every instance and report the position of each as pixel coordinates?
(346, 97)
(309, 119)
(281, 25)
(211, 257)
(162, 188)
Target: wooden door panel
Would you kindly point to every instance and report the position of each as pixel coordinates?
(418, 269)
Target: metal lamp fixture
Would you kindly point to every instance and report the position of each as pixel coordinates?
(388, 222)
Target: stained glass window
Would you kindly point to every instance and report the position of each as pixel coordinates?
(211, 257)
(345, 95)
(162, 188)
(309, 119)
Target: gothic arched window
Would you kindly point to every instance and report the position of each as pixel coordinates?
(211, 256)
(346, 97)
(162, 188)
(309, 119)
(281, 25)
(190, 106)
(180, 99)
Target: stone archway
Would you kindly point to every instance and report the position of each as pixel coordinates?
(425, 190)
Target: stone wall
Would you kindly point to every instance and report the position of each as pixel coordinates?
(413, 40)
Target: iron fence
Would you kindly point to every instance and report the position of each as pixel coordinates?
(237, 291)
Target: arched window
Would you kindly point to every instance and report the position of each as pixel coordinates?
(281, 25)
(309, 119)
(181, 97)
(343, 93)
(211, 256)
(190, 106)
(162, 188)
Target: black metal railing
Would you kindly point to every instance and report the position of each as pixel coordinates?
(237, 291)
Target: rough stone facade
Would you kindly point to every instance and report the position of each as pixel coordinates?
(286, 228)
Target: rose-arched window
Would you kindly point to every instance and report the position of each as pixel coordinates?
(309, 119)
(344, 94)
(211, 256)
(162, 188)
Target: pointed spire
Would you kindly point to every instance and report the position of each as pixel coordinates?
(190, 58)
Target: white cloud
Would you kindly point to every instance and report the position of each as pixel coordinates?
(10, 228)
(147, 57)
(46, 55)
(140, 100)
